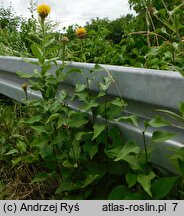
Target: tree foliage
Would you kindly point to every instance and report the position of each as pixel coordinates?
(153, 38)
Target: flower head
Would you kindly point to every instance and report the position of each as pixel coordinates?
(80, 32)
(43, 10)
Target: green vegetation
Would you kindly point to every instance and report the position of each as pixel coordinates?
(151, 39)
(55, 152)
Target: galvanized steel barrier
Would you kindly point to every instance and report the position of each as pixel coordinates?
(143, 89)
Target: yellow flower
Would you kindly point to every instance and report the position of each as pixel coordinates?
(43, 10)
(80, 32)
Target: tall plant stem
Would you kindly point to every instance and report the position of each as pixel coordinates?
(106, 121)
(83, 57)
(92, 111)
(64, 55)
(145, 150)
(26, 95)
(42, 22)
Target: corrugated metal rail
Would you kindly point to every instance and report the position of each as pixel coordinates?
(143, 89)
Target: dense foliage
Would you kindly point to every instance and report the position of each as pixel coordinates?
(56, 152)
(152, 39)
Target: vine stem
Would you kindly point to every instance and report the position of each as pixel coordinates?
(148, 17)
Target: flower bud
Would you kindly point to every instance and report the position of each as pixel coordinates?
(24, 86)
(64, 39)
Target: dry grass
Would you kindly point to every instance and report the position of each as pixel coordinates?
(16, 184)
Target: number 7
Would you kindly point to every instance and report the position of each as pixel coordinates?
(175, 204)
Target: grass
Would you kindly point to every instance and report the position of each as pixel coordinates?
(16, 181)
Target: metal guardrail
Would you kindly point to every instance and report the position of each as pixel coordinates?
(143, 89)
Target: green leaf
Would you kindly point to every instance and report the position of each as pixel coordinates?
(161, 136)
(162, 187)
(67, 164)
(79, 87)
(118, 102)
(106, 84)
(118, 193)
(113, 111)
(181, 108)
(181, 166)
(35, 85)
(89, 179)
(66, 185)
(74, 70)
(75, 150)
(30, 158)
(40, 129)
(54, 107)
(178, 151)
(52, 81)
(45, 67)
(37, 53)
(83, 96)
(172, 115)
(27, 75)
(116, 136)
(131, 118)
(90, 148)
(21, 146)
(33, 119)
(11, 152)
(52, 50)
(97, 68)
(135, 163)
(62, 96)
(89, 105)
(53, 117)
(38, 141)
(101, 94)
(128, 148)
(113, 152)
(49, 41)
(16, 161)
(145, 181)
(46, 150)
(79, 136)
(61, 121)
(131, 179)
(58, 140)
(77, 120)
(40, 177)
(158, 122)
(98, 129)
